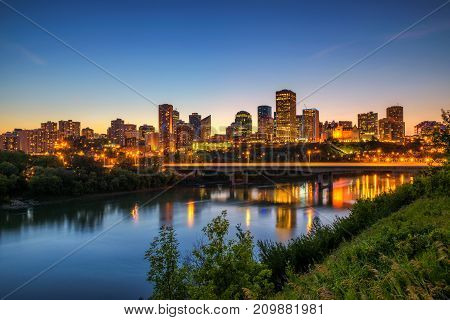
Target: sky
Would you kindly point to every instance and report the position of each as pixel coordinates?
(218, 57)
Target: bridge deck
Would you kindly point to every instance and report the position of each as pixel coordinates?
(316, 167)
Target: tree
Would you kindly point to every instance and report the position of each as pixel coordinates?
(227, 269)
(217, 269)
(165, 273)
(7, 169)
(46, 162)
(443, 135)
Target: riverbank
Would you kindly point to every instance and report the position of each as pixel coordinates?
(403, 256)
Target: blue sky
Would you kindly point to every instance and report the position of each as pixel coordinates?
(219, 57)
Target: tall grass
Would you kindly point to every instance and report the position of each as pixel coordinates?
(404, 256)
(300, 254)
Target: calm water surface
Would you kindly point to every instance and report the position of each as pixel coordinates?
(113, 266)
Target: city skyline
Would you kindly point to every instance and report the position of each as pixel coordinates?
(224, 124)
(238, 68)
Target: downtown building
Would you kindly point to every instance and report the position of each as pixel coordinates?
(286, 112)
(68, 129)
(184, 136)
(47, 139)
(205, 128)
(392, 128)
(243, 125)
(368, 125)
(310, 125)
(166, 130)
(195, 120)
(265, 123)
(116, 132)
(88, 133)
(131, 135)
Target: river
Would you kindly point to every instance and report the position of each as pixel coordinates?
(94, 249)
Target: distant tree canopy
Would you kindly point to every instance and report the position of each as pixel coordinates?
(30, 176)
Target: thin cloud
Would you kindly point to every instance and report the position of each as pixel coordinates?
(422, 32)
(29, 55)
(329, 50)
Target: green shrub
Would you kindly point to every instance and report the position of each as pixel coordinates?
(217, 269)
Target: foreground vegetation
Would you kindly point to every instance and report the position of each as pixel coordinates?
(403, 256)
(401, 253)
(38, 176)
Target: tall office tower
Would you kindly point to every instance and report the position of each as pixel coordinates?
(195, 121)
(68, 129)
(166, 137)
(205, 128)
(286, 105)
(311, 127)
(243, 120)
(265, 122)
(116, 132)
(392, 128)
(368, 125)
(50, 136)
(275, 124)
(185, 135)
(395, 113)
(299, 123)
(346, 124)
(88, 133)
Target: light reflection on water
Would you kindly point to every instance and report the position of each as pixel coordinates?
(112, 267)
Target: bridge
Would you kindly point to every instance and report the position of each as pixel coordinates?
(317, 169)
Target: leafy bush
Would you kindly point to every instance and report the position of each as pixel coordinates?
(217, 269)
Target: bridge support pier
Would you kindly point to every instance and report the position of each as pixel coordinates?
(321, 180)
(232, 179)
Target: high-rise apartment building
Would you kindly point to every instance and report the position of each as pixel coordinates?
(286, 106)
(68, 129)
(144, 130)
(50, 136)
(88, 133)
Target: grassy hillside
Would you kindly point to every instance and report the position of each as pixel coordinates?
(402, 256)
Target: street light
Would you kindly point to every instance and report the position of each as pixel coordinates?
(309, 155)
